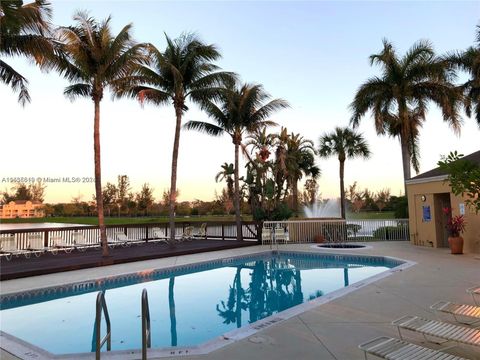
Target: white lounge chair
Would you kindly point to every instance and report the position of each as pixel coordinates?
(120, 239)
(459, 311)
(59, 244)
(280, 235)
(266, 235)
(8, 247)
(439, 329)
(35, 243)
(80, 243)
(475, 292)
(186, 235)
(395, 349)
(202, 231)
(159, 235)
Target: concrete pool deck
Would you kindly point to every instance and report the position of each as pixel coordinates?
(332, 330)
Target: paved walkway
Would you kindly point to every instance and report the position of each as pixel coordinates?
(333, 330)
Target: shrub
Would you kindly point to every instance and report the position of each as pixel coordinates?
(353, 229)
(389, 232)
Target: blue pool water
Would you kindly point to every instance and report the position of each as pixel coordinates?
(188, 305)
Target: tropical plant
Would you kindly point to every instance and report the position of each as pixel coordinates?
(24, 30)
(261, 142)
(184, 71)
(95, 60)
(405, 87)
(226, 173)
(280, 165)
(469, 61)
(239, 110)
(455, 224)
(345, 144)
(463, 177)
(300, 160)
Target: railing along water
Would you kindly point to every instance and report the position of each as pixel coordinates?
(146, 334)
(89, 235)
(101, 307)
(336, 230)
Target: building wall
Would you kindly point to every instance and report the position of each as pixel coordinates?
(25, 210)
(431, 233)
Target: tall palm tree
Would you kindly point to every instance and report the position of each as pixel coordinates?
(24, 30)
(184, 71)
(239, 110)
(345, 144)
(407, 84)
(95, 60)
(469, 61)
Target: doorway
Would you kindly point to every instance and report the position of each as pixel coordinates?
(441, 201)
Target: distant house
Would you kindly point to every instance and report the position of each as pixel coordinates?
(22, 209)
(428, 194)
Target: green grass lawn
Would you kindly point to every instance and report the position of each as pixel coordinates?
(384, 215)
(151, 219)
(118, 220)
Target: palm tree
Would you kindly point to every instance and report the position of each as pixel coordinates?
(299, 160)
(239, 110)
(184, 71)
(280, 166)
(469, 61)
(95, 60)
(24, 31)
(262, 142)
(407, 84)
(226, 173)
(345, 144)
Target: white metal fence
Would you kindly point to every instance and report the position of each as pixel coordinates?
(305, 231)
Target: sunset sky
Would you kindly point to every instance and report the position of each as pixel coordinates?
(312, 54)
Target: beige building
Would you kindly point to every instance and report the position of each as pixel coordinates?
(22, 209)
(428, 194)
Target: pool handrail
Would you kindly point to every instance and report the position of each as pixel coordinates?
(101, 306)
(146, 333)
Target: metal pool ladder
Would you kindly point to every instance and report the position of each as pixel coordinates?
(101, 306)
(146, 338)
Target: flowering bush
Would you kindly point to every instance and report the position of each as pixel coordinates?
(456, 224)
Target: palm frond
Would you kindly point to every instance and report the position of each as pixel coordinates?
(16, 81)
(75, 91)
(204, 127)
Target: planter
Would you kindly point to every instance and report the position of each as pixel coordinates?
(456, 244)
(319, 239)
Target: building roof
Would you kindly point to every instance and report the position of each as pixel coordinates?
(473, 157)
(21, 202)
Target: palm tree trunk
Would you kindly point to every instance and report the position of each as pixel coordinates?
(173, 180)
(238, 307)
(406, 156)
(295, 196)
(342, 189)
(98, 178)
(238, 219)
(171, 305)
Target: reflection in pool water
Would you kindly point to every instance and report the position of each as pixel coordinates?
(187, 307)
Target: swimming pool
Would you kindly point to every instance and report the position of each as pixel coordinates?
(189, 305)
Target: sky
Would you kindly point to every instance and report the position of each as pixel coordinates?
(312, 54)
